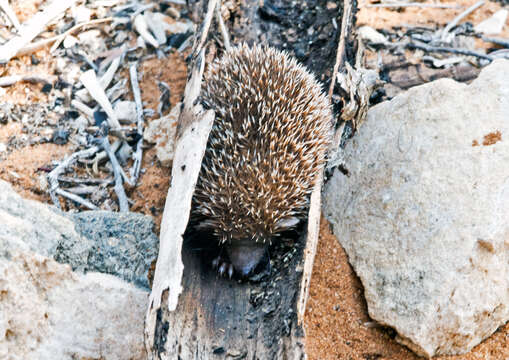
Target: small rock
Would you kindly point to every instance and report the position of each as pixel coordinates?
(81, 14)
(178, 27)
(93, 40)
(370, 35)
(494, 24)
(60, 136)
(162, 132)
(70, 41)
(125, 111)
(124, 153)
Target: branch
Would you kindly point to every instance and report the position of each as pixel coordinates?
(346, 24)
(138, 155)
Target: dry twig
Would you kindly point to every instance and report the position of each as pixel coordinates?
(458, 18)
(123, 204)
(138, 155)
(32, 28)
(346, 25)
(56, 172)
(32, 78)
(413, 4)
(429, 48)
(222, 27)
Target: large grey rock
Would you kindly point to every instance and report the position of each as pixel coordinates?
(112, 243)
(423, 211)
(49, 311)
(120, 244)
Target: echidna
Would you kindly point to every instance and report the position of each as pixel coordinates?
(264, 152)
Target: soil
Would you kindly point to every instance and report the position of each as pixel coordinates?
(337, 322)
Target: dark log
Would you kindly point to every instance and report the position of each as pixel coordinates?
(200, 315)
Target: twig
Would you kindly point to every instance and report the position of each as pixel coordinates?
(498, 41)
(33, 78)
(32, 28)
(346, 23)
(135, 170)
(413, 4)
(91, 181)
(89, 80)
(429, 48)
(204, 29)
(88, 111)
(76, 198)
(117, 173)
(30, 48)
(4, 5)
(104, 80)
(55, 173)
(222, 27)
(458, 18)
(82, 190)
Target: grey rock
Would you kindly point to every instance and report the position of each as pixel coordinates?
(423, 211)
(113, 243)
(47, 310)
(162, 132)
(121, 244)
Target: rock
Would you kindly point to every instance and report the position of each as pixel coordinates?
(92, 39)
(120, 244)
(162, 132)
(421, 207)
(494, 24)
(370, 35)
(81, 14)
(125, 111)
(48, 311)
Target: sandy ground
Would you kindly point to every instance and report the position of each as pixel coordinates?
(337, 322)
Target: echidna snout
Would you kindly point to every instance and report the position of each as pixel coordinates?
(246, 256)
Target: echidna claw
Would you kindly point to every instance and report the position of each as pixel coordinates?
(223, 267)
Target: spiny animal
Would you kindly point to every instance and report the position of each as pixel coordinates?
(268, 143)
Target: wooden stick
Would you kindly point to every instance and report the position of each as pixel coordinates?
(429, 48)
(205, 26)
(346, 24)
(76, 198)
(222, 27)
(138, 155)
(313, 232)
(32, 78)
(497, 41)
(89, 80)
(412, 4)
(117, 173)
(458, 18)
(56, 172)
(32, 28)
(30, 48)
